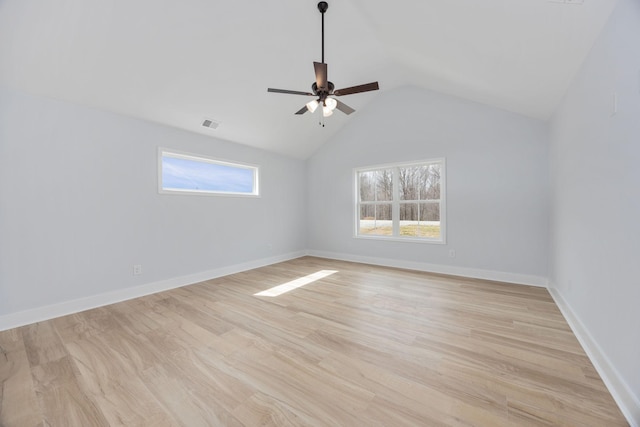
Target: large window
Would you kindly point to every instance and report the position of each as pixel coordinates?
(401, 201)
(186, 173)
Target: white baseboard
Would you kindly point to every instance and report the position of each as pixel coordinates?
(498, 276)
(628, 402)
(38, 314)
(26, 317)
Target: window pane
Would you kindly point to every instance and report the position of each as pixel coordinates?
(430, 220)
(367, 212)
(375, 220)
(420, 182)
(384, 185)
(383, 212)
(420, 220)
(376, 185)
(409, 219)
(409, 183)
(367, 184)
(409, 212)
(186, 173)
(430, 212)
(430, 187)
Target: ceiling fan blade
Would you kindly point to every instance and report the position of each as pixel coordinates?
(290, 92)
(344, 108)
(321, 75)
(302, 110)
(357, 89)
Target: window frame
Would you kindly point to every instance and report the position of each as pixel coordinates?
(396, 202)
(168, 152)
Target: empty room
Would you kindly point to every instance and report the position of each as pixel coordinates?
(303, 213)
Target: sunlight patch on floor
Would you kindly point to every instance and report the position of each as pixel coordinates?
(295, 284)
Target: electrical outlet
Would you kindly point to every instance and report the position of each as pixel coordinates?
(137, 270)
(452, 253)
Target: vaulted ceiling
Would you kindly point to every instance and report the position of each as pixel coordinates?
(179, 62)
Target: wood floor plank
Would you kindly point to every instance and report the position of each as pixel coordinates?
(42, 343)
(365, 346)
(17, 393)
(112, 382)
(329, 401)
(62, 399)
(175, 394)
(263, 410)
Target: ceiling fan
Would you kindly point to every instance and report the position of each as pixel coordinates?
(323, 89)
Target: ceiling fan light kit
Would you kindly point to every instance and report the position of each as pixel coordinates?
(323, 89)
(312, 105)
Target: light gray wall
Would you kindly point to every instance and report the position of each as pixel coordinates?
(596, 198)
(497, 182)
(79, 205)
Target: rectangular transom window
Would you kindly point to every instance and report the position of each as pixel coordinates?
(187, 173)
(403, 201)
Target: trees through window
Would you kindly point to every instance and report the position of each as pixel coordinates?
(401, 201)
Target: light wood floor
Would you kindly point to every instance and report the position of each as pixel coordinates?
(366, 346)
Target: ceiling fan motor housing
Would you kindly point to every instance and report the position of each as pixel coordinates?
(321, 93)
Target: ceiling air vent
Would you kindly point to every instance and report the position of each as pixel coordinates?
(210, 124)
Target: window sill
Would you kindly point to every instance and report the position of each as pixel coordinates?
(402, 239)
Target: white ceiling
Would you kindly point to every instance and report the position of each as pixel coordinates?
(178, 62)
